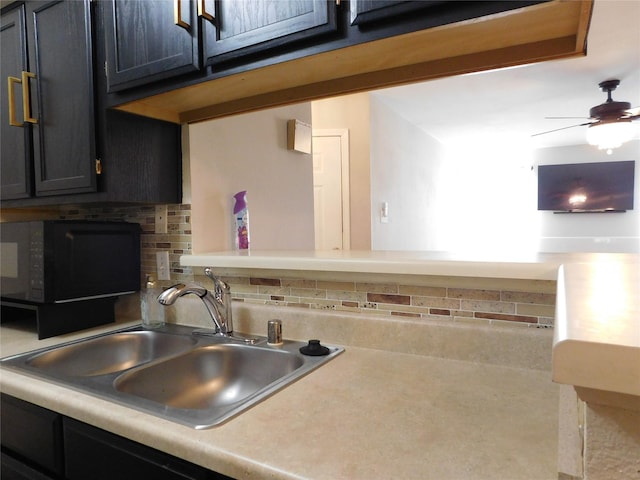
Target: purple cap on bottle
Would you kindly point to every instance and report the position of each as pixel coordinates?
(241, 201)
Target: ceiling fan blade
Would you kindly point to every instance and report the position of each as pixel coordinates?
(632, 113)
(563, 128)
(566, 118)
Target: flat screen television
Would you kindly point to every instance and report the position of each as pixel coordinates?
(586, 187)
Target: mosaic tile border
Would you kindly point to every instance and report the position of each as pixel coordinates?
(396, 299)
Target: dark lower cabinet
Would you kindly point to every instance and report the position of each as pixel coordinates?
(99, 455)
(32, 435)
(39, 444)
(14, 469)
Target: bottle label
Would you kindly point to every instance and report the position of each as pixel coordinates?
(242, 232)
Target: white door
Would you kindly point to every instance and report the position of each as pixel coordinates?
(331, 189)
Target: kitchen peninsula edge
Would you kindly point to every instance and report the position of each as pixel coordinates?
(224, 449)
(582, 333)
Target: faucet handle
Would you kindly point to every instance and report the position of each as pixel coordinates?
(220, 288)
(208, 271)
(222, 295)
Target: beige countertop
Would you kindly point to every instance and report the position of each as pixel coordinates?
(367, 414)
(382, 414)
(531, 266)
(597, 334)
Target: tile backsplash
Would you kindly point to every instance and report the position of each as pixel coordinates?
(462, 299)
(523, 303)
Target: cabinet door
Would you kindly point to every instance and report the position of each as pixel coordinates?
(368, 11)
(15, 156)
(14, 469)
(96, 454)
(33, 433)
(60, 56)
(149, 40)
(234, 29)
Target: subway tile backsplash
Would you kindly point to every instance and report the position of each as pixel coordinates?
(461, 299)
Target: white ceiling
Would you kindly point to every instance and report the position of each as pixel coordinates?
(513, 103)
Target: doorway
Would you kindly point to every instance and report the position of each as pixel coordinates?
(331, 189)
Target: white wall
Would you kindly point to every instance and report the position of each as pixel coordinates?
(405, 170)
(470, 197)
(249, 152)
(592, 232)
(489, 200)
(480, 195)
(477, 196)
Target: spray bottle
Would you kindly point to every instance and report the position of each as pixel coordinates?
(241, 218)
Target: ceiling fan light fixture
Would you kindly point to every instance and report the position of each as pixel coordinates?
(607, 135)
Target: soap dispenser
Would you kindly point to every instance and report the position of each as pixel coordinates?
(152, 311)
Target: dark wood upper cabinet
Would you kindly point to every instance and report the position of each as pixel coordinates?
(233, 29)
(16, 163)
(149, 40)
(364, 12)
(63, 103)
(48, 144)
(62, 144)
(263, 53)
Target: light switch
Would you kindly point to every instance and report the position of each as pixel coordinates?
(384, 212)
(162, 265)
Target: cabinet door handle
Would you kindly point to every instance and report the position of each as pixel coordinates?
(26, 95)
(177, 15)
(202, 11)
(11, 101)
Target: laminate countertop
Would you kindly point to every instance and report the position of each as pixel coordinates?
(366, 414)
(597, 324)
(597, 334)
(379, 414)
(536, 266)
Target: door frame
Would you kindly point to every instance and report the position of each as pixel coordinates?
(343, 133)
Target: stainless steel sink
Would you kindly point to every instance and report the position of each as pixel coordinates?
(111, 353)
(175, 373)
(209, 377)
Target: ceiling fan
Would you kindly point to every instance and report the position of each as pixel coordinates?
(609, 123)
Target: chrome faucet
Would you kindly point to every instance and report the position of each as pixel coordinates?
(218, 304)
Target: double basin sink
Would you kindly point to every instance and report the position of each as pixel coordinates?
(175, 372)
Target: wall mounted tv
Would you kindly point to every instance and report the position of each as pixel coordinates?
(586, 187)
